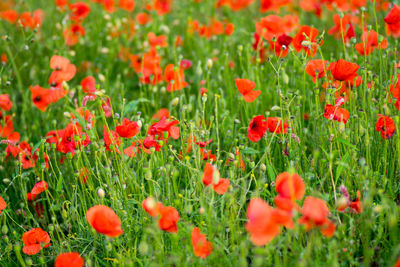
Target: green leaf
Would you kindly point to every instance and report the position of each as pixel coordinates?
(249, 150)
(345, 142)
(131, 106)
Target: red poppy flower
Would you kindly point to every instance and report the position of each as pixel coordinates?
(343, 70)
(343, 27)
(290, 186)
(164, 125)
(79, 11)
(7, 131)
(9, 15)
(169, 217)
(385, 125)
(275, 125)
(245, 87)
(69, 259)
(211, 176)
(88, 85)
(369, 42)
(127, 129)
(143, 18)
(316, 68)
(174, 78)
(149, 142)
(270, 27)
(337, 114)
(151, 206)
(281, 45)
(111, 138)
(392, 21)
(3, 58)
(128, 5)
(161, 113)
(305, 40)
(63, 70)
(40, 97)
(3, 204)
(201, 246)
(315, 214)
(5, 102)
(262, 224)
(73, 33)
(160, 41)
(162, 7)
(257, 128)
(39, 188)
(34, 240)
(104, 220)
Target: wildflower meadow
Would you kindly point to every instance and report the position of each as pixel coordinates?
(199, 133)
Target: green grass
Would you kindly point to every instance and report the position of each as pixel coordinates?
(327, 153)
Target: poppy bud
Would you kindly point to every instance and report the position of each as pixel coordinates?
(143, 248)
(175, 101)
(148, 175)
(263, 168)
(6, 181)
(100, 192)
(29, 261)
(209, 63)
(102, 78)
(69, 156)
(202, 210)
(4, 229)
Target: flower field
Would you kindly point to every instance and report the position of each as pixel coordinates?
(199, 133)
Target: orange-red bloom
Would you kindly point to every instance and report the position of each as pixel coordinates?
(201, 246)
(127, 129)
(3, 204)
(174, 78)
(315, 214)
(69, 259)
(34, 240)
(343, 70)
(79, 11)
(104, 220)
(369, 42)
(169, 218)
(5, 102)
(336, 113)
(305, 40)
(211, 176)
(316, 68)
(245, 87)
(264, 222)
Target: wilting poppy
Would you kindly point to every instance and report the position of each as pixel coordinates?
(315, 214)
(201, 246)
(69, 259)
(245, 87)
(257, 128)
(127, 129)
(104, 220)
(385, 126)
(34, 240)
